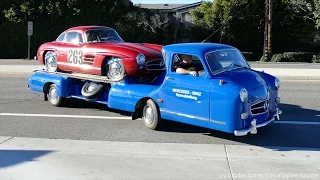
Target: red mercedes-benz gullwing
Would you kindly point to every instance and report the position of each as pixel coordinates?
(99, 50)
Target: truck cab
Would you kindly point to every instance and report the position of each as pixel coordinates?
(221, 92)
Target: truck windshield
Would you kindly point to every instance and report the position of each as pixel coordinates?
(225, 60)
(102, 35)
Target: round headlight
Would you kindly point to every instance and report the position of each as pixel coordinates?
(243, 95)
(277, 83)
(141, 59)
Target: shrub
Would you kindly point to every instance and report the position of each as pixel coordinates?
(293, 57)
(277, 58)
(248, 56)
(263, 59)
(316, 58)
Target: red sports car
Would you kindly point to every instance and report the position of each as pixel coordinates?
(99, 50)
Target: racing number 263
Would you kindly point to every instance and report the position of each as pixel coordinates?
(75, 56)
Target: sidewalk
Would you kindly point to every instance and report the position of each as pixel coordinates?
(284, 71)
(30, 158)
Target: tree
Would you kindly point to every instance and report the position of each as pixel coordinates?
(235, 22)
(241, 23)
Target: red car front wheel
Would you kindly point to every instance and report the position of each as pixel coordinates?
(51, 62)
(115, 69)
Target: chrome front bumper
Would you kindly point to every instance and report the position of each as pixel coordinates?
(253, 128)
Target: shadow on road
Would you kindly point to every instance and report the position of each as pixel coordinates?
(14, 157)
(78, 103)
(292, 112)
(289, 136)
(285, 135)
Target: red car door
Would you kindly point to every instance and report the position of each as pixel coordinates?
(71, 54)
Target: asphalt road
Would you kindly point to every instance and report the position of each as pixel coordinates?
(300, 102)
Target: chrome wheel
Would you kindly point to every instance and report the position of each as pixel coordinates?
(92, 87)
(51, 62)
(116, 69)
(53, 95)
(151, 115)
(148, 116)
(91, 90)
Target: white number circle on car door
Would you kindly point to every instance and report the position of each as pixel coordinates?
(75, 57)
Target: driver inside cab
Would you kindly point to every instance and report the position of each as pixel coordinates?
(186, 66)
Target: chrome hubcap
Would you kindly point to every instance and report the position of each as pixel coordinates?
(116, 70)
(53, 95)
(148, 115)
(51, 62)
(92, 86)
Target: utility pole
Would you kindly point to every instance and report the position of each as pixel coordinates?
(267, 32)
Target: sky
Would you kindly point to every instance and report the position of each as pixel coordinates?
(164, 1)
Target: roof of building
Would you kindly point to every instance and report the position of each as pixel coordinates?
(160, 6)
(172, 7)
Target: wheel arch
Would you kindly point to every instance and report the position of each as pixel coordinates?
(139, 107)
(46, 89)
(44, 55)
(103, 62)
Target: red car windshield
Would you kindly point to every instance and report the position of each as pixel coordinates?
(102, 35)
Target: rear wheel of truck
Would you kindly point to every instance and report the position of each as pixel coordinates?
(53, 96)
(151, 115)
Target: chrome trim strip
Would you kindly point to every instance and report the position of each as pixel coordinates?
(218, 122)
(81, 66)
(193, 117)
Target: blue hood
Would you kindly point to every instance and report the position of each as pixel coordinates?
(244, 77)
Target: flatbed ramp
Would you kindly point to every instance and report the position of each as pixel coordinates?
(81, 76)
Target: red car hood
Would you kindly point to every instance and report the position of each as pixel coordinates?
(140, 48)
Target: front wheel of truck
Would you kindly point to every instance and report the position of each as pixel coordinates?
(151, 115)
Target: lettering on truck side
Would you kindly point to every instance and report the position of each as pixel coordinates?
(186, 94)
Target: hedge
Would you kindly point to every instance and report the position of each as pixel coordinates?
(308, 57)
(316, 58)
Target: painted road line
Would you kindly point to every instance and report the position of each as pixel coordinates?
(297, 122)
(126, 118)
(64, 116)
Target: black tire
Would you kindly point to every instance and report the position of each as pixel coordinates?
(53, 96)
(91, 93)
(151, 121)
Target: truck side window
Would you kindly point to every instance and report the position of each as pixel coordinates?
(187, 62)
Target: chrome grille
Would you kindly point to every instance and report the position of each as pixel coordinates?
(155, 64)
(88, 60)
(259, 107)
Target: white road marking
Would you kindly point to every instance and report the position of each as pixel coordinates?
(297, 122)
(64, 116)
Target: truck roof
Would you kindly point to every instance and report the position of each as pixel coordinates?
(196, 48)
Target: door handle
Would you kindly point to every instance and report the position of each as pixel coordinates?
(169, 78)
